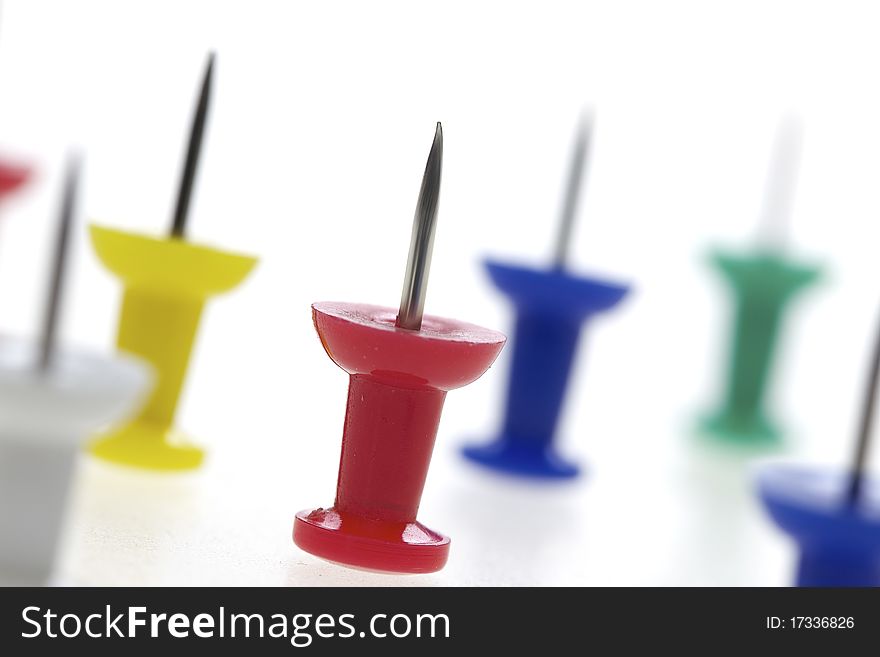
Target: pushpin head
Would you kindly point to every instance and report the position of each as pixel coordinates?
(398, 382)
(839, 542)
(12, 177)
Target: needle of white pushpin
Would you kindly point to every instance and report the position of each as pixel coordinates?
(418, 264)
(860, 457)
(781, 182)
(573, 188)
(59, 261)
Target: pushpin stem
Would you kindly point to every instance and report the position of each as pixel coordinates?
(543, 350)
(59, 261)
(573, 191)
(167, 345)
(384, 479)
(194, 147)
(866, 426)
(418, 264)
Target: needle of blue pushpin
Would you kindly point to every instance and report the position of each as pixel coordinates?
(780, 185)
(418, 264)
(865, 428)
(178, 227)
(573, 189)
(56, 280)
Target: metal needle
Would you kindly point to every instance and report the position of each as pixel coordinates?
(418, 264)
(62, 241)
(780, 186)
(865, 429)
(178, 228)
(573, 188)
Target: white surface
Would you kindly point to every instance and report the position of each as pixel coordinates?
(322, 121)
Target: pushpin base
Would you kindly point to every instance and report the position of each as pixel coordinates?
(149, 447)
(541, 462)
(839, 541)
(395, 547)
(744, 430)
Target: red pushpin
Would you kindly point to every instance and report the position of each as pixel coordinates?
(12, 176)
(401, 366)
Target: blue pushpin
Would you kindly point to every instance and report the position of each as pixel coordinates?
(552, 306)
(834, 517)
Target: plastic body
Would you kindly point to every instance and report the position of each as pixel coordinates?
(12, 177)
(839, 543)
(762, 284)
(398, 380)
(166, 283)
(551, 309)
(45, 418)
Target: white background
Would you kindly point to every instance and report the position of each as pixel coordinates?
(321, 121)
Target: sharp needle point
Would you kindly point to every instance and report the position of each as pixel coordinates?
(194, 147)
(418, 265)
(56, 280)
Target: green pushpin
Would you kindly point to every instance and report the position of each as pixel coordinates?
(763, 282)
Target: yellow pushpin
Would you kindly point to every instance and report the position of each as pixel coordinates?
(166, 282)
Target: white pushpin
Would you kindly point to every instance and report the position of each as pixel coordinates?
(50, 402)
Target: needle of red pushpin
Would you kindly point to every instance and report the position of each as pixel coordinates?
(56, 280)
(865, 429)
(780, 186)
(573, 189)
(178, 228)
(418, 264)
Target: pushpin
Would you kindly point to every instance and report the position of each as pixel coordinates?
(12, 177)
(400, 369)
(166, 281)
(552, 305)
(50, 401)
(834, 517)
(763, 282)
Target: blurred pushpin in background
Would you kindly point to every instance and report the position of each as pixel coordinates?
(400, 365)
(551, 307)
(833, 516)
(12, 177)
(166, 281)
(50, 401)
(763, 281)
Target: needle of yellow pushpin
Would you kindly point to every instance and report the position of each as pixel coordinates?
(866, 425)
(178, 227)
(781, 181)
(418, 265)
(573, 188)
(59, 261)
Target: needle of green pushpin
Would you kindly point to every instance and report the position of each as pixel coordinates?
(573, 189)
(865, 428)
(59, 261)
(178, 228)
(780, 184)
(418, 264)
